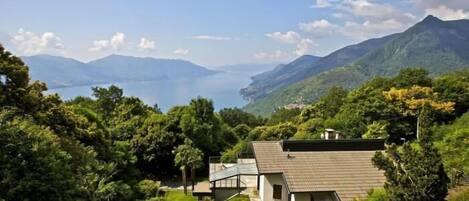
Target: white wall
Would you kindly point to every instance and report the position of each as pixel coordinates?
(301, 197)
(266, 187)
(261, 187)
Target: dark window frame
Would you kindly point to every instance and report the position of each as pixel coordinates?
(277, 191)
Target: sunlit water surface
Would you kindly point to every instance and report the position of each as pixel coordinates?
(222, 88)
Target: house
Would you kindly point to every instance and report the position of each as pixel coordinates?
(305, 170)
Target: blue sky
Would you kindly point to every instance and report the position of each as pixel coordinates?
(207, 32)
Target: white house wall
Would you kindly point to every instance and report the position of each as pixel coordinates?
(261, 186)
(266, 187)
(301, 197)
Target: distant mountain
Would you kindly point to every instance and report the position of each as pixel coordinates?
(436, 45)
(127, 68)
(280, 76)
(60, 72)
(307, 66)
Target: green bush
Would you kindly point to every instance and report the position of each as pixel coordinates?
(148, 188)
(375, 195)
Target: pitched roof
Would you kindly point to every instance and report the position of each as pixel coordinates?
(349, 173)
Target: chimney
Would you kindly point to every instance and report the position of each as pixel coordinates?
(338, 135)
(329, 133)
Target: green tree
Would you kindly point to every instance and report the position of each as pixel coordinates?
(412, 101)
(200, 124)
(185, 156)
(279, 132)
(310, 129)
(377, 130)
(452, 142)
(415, 172)
(100, 185)
(153, 143)
(148, 188)
(107, 99)
(196, 161)
(33, 164)
(283, 115)
(242, 131)
(236, 116)
(409, 77)
(231, 155)
(454, 87)
(327, 106)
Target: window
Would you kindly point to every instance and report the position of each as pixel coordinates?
(277, 192)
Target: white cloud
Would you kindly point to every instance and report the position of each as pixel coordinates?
(30, 43)
(181, 51)
(365, 19)
(322, 4)
(371, 10)
(369, 29)
(116, 42)
(368, 9)
(290, 37)
(446, 13)
(146, 44)
(304, 46)
(316, 24)
(318, 27)
(99, 45)
(453, 4)
(208, 37)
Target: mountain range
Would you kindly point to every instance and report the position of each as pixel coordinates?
(59, 72)
(433, 44)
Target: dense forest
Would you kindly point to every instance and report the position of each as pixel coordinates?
(114, 147)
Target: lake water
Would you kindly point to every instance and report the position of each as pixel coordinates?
(223, 88)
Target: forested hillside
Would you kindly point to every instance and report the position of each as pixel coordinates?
(307, 66)
(113, 147)
(435, 45)
(391, 108)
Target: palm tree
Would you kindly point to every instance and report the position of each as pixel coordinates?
(196, 161)
(187, 156)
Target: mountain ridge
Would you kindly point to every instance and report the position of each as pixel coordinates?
(59, 71)
(335, 59)
(435, 45)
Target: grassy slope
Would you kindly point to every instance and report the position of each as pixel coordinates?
(178, 196)
(240, 198)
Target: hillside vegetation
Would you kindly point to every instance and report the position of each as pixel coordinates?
(435, 45)
(113, 147)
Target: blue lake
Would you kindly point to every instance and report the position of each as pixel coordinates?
(223, 88)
